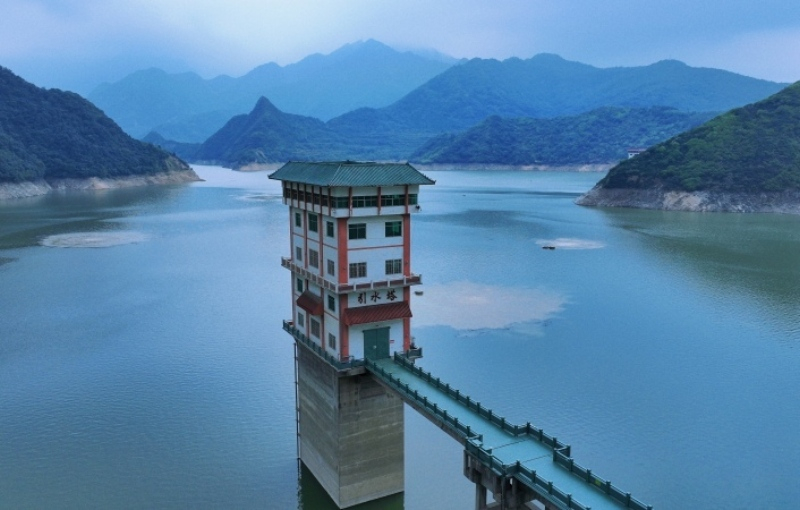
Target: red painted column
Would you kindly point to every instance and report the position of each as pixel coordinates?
(341, 249)
(344, 330)
(406, 244)
(407, 320)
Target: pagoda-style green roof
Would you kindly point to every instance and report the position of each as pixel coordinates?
(350, 173)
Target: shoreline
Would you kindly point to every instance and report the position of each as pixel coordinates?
(11, 190)
(787, 202)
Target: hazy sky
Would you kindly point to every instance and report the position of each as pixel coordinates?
(76, 44)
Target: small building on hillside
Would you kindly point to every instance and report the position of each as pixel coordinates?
(635, 151)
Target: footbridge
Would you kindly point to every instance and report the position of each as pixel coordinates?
(517, 463)
(521, 465)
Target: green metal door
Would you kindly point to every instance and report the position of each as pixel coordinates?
(376, 343)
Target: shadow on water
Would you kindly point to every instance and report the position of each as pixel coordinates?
(25, 222)
(311, 495)
(755, 255)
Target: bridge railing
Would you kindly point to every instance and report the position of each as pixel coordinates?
(474, 441)
(453, 423)
(604, 486)
(484, 412)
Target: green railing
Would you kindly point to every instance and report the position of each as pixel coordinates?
(473, 441)
(337, 363)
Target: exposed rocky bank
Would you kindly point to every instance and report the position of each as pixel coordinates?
(787, 202)
(10, 190)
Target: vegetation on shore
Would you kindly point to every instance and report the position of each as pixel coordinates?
(52, 134)
(752, 149)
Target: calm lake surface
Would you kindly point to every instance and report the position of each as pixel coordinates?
(143, 364)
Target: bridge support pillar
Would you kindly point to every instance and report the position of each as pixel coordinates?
(350, 431)
(508, 493)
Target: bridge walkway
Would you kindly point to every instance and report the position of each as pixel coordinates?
(523, 452)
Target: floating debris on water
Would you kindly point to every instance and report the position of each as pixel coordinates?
(93, 239)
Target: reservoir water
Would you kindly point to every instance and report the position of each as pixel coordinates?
(143, 364)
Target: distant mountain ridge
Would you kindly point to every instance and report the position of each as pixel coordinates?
(599, 136)
(549, 86)
(51, 134)
(747, 159)
(465, 95)
(187, 108)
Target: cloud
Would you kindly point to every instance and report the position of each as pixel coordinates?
(55, 37)
(467, 305)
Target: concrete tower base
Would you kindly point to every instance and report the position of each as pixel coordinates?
(350, 432)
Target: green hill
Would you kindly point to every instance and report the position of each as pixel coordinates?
(750, 149)
(747, 159)
(51, 134)
(599, 136)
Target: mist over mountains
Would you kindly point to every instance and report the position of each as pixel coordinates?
(187, 108)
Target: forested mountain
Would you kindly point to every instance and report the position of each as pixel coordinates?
(49, 134)
(543, 87)
(599, 136)
(188, 108)
(267, 135)
(752, 149)
(549, 86)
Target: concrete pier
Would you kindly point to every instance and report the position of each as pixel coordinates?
(350, 431)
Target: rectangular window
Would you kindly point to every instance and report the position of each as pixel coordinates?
(298, 219)
(301, 320)
(390, 200)
(412, 199)
(331, 268)
(357, 231)
(394, 228)
(340, 202)
(298, 253)
(369, 201)
(313, 258)
(313, 223)
(331, 341)
(315, 328)
(299, 285)
(329, 228)
(331, 303)
(394, 266)
(358, 270)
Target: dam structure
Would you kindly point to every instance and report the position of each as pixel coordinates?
(351, 288)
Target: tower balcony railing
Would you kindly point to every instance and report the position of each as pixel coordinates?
(344, 364)
(339, 288)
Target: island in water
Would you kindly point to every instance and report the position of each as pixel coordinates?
(51, 139)
(746, 160)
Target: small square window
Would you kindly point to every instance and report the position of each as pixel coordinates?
(331, 303)
(331, 341)
(313, 223)
(394, 266)
(315, 328)
(313, 258)
(331, 268)
(301, 319)
(298, 253)
(358, 270)
(329, 228)
(298, 219)
(299, 285)
(357, 231)
(394, 228)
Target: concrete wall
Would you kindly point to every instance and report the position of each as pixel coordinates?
(351, 432)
